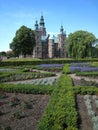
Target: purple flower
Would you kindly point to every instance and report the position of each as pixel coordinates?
(82, 67)
(50, 65)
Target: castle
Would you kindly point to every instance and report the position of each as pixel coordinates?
(47, 47)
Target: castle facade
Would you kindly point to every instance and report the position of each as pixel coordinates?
(46, 46)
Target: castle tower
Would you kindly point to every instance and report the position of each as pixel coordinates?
(36, 25)
(37, 52)
(62, 43)
(42, 26)
(51, 48)
(41, 49)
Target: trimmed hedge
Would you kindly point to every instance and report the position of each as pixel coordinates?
(27, 88)
(66, 69)
(85, 90)
(60, 113)
(89, 74)
(44, 61)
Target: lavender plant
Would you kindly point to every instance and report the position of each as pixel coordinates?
(82, 67)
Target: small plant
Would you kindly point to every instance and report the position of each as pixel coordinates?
(1, 113)
(2, 95)
(14, 101)
(1, 103)
(16, 114)
(6, 128)
(25, 104)
(29, 99)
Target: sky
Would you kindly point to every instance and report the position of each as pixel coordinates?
(74, 15)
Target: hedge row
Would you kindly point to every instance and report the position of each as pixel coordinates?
(89, 74)
(66, 69)
(44, 61)
(60, 113)
(27, 88)
(85, 90)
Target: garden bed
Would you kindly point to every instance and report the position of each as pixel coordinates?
(21, 111)
(84, 120)
(87, 107)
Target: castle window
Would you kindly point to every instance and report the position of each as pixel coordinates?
(37, 48)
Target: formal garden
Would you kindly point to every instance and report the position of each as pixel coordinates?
(49, 95)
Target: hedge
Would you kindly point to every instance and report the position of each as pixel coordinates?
(89, 74)
(44, 61)
(27, 88)
(85, 90)
(60, 113)
(66, 69)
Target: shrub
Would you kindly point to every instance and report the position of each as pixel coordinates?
(66, 69)
(60, 112)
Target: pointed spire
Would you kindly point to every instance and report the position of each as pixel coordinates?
(36, 25)
(62, 29)
(42, 24)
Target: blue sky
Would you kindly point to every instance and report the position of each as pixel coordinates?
(72, 14)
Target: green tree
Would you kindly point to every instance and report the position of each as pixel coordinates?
(23, 42)
(3, 53)
(10, 54)
(80, 44)
(95, 50)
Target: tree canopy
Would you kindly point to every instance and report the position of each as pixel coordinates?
(23, 42)
(80, 44)
(3, 53)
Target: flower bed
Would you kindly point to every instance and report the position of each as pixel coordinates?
(6, 70)
(24, 76)
(50, 67)
(39, 81)
(93, 115)
(74, 67)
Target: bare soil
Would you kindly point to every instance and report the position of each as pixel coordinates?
(29, 117)
(84, 120)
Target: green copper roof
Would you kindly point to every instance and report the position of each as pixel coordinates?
(44, 38)
(55, 39)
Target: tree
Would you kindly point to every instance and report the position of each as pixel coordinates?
(95, 50)
(80, 44)
(23, 42)
(10, 54)
(3, 53)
